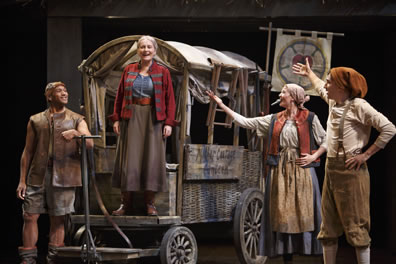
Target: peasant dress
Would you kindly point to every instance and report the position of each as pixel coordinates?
(292, 200)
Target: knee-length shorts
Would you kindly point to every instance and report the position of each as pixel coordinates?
(48, 199)
(345, 203)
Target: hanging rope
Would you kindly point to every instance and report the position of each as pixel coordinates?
(100, 201)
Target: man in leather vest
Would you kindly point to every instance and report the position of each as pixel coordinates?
(50, 170)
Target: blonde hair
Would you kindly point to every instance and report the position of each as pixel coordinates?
(149, 38)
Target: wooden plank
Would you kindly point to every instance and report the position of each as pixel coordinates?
(183, 125)
(105, 159)
(213, 88)
(231, 94)
(169, 220)
(213, 106)
(235, 141)
(221, 124)
(150, 252)
(243, 92)
(172, 178)
(213, 162)
(109, 254)
(127, 221)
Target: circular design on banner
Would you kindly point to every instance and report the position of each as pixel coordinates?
(296, 51)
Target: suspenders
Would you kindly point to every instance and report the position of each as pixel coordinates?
(340, 139)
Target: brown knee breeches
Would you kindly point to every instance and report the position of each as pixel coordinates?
(345, 203)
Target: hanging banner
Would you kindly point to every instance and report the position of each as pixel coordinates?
(291, 49)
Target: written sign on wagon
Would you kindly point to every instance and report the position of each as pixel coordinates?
(213, 162)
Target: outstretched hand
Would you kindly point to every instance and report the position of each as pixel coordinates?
(214, 97)
(302, 69)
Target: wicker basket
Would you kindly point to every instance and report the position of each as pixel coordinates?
(215, 201)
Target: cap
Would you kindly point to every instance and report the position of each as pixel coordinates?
(52, 85)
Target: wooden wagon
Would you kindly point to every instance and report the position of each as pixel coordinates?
(207, 182)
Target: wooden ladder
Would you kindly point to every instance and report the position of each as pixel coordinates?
(213, 107)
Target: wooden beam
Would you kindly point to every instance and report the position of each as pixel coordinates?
(183, 126)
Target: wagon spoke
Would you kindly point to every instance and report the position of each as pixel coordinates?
(255, 246)
(173, 245)
(257, 233)
(249, 238)
(248, 216)
(255, 211)
(247, 224)
(187, 243)
(247, 231)
(258, 216)
(250, 245)
(251, 212)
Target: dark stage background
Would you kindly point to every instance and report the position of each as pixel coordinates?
(368, 46)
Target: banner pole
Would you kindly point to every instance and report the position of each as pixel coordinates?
(268, 46)
(302, 31)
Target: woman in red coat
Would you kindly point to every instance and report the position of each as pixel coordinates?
(143, 117)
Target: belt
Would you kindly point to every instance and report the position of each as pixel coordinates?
(141, 101)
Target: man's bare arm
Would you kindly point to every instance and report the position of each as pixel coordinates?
(26, 159)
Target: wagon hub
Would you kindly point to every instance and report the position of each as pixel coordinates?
(180, 253)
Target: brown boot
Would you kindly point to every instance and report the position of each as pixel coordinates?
(149, 198)
(28, 255)
(126, 205)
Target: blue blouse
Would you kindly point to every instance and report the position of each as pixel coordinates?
(143, 86)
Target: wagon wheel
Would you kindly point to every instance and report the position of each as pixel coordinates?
(79, 237)
(247, 224)
(179, 246)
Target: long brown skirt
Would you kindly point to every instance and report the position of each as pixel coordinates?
(140, 156)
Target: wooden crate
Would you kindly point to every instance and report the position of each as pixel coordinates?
(104, 159)
(215, 200)
(165, 201)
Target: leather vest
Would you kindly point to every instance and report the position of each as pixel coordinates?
(66, 162)
(305, 136)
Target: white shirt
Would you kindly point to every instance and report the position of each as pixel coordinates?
(288, 136)
(359, 119)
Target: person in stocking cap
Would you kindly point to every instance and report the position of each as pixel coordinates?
(296, 140)
(346, 187)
